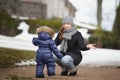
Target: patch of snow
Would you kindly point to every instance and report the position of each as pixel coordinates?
(101, 57)
(83, 25)
(25, 35)
(26, 63)
(97, 57)
(84, 33)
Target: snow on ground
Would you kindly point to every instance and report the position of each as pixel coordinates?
(16, 43)
(97, 57)
(101, 57)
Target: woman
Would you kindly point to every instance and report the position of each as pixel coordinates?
(71, 43)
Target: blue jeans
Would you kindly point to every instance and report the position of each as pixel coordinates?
(66, 62)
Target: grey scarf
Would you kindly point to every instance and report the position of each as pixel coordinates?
(67, 34)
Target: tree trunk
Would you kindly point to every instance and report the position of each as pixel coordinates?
(99, 21)
(99, 13)
(116, 29)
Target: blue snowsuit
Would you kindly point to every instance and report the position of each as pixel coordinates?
(44, 54)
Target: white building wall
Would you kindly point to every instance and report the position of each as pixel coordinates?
(56, 8)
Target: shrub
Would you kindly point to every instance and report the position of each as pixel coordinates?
(106, 39)
(54, 24)
(7, 24)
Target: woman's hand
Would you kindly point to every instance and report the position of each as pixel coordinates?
(91, 46)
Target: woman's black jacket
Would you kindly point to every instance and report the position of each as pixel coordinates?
(75, 45)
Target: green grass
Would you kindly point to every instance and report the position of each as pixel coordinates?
(10, 56)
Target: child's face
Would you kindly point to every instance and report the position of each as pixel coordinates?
(66, 26)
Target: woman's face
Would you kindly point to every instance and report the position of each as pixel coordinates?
(66, 26)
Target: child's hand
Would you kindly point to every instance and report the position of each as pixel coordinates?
(35, 38)
(35, 41)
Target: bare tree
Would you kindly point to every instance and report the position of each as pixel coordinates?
(99, 21)
(99, 12)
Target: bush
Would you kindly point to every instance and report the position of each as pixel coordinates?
(106, 39)
(54, 24)
(8, 26)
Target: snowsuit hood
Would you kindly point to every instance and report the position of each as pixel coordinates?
(44, 36)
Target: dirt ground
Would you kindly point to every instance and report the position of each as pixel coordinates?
(84, 73)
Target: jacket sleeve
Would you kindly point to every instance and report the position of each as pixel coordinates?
(35, 41)
(81, 44)
(55, 50)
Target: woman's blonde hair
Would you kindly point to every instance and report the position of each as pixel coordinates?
(45, 29)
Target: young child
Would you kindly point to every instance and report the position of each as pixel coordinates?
(44, 53)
